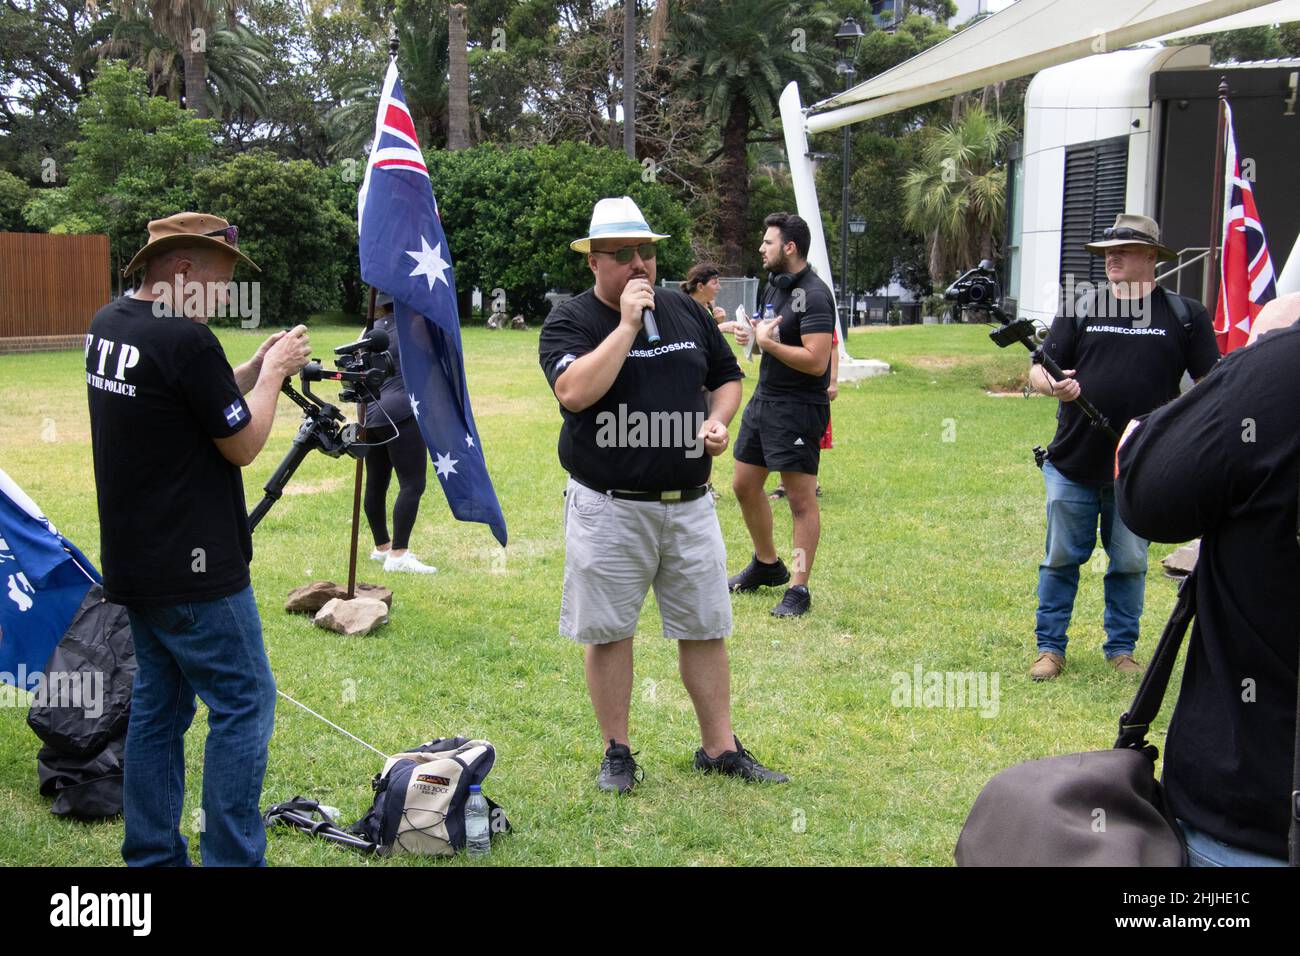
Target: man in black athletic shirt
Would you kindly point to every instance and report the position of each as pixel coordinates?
(783, 424)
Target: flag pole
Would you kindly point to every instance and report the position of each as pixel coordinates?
(1213, 267)
(356, 481)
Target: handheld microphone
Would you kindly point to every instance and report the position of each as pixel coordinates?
(651, 329)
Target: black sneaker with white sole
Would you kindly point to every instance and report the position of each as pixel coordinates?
(619, 773)
(796, 601)
(738, 763)
(759, 574)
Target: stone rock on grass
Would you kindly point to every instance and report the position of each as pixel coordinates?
(358, 616)
(310, 598)
(376, 591)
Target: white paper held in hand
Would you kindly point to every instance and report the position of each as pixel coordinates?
(743, 321)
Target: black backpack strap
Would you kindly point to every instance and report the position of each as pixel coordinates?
(1135, 723)
(1083, 309)
(1293, 838)
(1178, 306)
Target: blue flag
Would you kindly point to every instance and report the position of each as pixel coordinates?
(43, 579)
(404, 252)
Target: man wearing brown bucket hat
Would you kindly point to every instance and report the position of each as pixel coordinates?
(1125, 345)
(171, 425)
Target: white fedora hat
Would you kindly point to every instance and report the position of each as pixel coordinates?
(616, 219)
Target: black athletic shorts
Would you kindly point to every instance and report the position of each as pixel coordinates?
(782, 436)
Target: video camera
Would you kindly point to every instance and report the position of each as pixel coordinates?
(979, 291)
(363, 367)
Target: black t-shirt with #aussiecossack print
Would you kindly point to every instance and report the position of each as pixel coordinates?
(641, 434)
(172, 521)
(1129, 357)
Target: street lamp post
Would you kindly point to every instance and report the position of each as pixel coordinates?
(848, 38)
(857, 226)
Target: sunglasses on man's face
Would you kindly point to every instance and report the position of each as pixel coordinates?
(230, 234)
(1124, 232)
(645, 250)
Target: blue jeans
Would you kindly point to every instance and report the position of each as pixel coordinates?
(1205, 850)
(213, 649)
(1073, 510)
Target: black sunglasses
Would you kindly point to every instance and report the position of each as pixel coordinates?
(1124, 232)
(230, 234)
(645, 250)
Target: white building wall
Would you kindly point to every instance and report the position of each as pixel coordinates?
(1099, 97)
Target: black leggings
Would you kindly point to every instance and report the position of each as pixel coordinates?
(407, 455)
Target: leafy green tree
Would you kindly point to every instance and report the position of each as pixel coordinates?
(510, 214)
(134, 160)
(14, 194)
(289, 223)
(956, 196)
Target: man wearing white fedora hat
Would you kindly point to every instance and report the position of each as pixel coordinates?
(1126, 346)
(644, 414)
(171, 424)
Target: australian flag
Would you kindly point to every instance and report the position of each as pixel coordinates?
(43, 579)
(1246, 282)
(404, 252)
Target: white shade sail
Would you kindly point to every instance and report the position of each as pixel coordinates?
(1029, 36)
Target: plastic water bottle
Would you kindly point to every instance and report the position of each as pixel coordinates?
(478, 829)
(768, 312)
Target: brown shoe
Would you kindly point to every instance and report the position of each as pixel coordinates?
(1047, 666)
(1125, 664)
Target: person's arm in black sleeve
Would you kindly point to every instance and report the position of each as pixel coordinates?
(240, 426)
(816, 323)
(1175, 467)
(1060, 346)
(1203, 350)
(562, 342)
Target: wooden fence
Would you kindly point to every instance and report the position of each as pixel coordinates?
(50, 287)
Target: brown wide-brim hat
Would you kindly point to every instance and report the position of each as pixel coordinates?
(189, 229)
(1132, 230)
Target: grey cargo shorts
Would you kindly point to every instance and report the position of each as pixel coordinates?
(615, 550)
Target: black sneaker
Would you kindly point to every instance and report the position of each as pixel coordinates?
(619, 773)
(738, 763)
(757, 575)
(796, 601)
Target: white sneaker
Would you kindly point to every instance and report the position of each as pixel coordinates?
(408, 562)
(377, 555)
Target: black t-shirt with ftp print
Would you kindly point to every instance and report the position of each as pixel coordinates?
(172, 521)
(641, 434)
(1129, 358)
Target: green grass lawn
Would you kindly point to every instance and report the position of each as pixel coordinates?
(932, 528)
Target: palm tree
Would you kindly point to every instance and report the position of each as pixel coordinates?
(458, 101)
(188, 24)
(738, 56)
(956, 197)
(235, 63)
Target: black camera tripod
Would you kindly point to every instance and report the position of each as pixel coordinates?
(364, 366)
